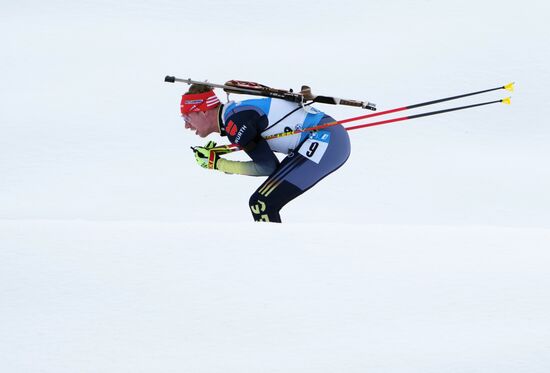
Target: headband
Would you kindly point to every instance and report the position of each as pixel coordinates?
(194, 102)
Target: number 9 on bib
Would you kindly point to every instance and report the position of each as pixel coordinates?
(315, 146)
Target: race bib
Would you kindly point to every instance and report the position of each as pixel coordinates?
(315, 146)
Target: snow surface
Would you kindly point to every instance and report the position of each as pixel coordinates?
(426, 252)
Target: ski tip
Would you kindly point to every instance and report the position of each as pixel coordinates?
(506, 100)
(509, 87)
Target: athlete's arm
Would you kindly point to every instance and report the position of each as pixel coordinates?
(244, 129)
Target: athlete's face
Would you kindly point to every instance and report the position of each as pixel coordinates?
(200, 122)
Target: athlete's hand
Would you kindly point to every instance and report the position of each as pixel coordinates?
(205, 156)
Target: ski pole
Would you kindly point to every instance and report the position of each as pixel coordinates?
(508, 87)
(504, 101)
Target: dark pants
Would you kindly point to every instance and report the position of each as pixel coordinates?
(297, 173)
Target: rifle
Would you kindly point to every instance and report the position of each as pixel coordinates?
(304, 97)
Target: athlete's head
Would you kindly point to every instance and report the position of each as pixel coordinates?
(197, 108)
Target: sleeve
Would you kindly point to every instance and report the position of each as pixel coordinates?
(244, 129)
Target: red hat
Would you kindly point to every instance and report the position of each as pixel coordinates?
(193, 102)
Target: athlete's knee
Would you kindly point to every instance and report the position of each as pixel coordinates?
(263, 209)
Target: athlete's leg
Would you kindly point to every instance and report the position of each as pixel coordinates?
(276, 192)
(296, 174)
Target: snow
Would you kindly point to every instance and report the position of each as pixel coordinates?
(426, 252)
(148, 296)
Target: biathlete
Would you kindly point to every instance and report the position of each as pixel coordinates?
(310, 155)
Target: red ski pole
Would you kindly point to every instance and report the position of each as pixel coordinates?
(504, 100)
(509, 87)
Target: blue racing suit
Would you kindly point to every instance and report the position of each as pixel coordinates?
(311, 155)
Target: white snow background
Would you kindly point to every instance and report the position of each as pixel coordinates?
(426, 252)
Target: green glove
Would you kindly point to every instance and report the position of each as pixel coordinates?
(205, 156)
